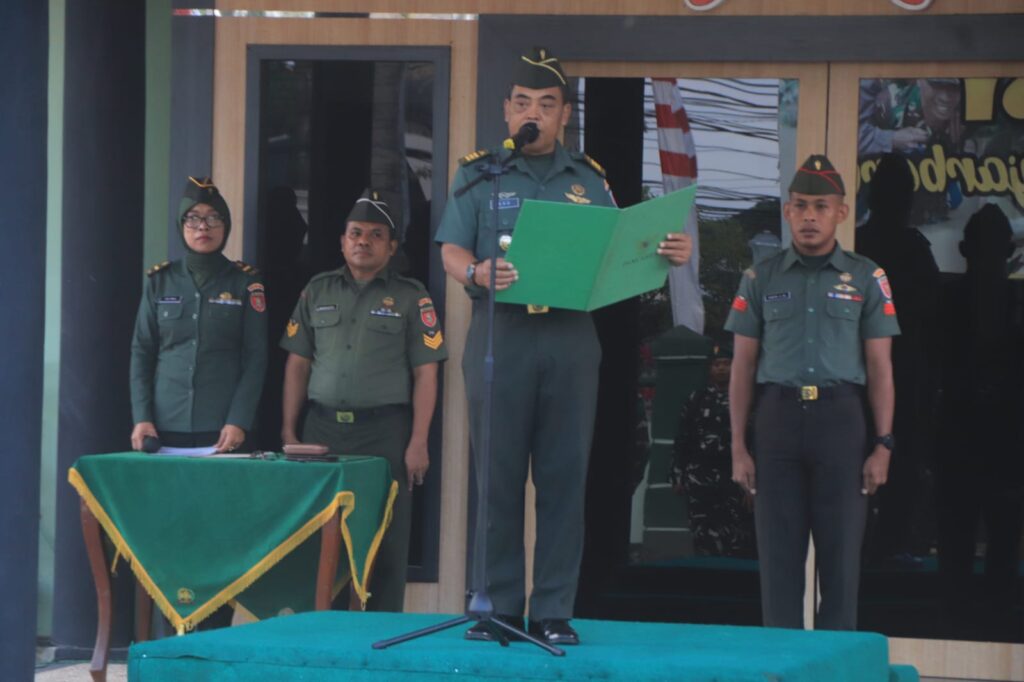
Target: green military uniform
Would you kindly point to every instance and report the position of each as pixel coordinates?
(545, 383)
(811, 316)
(364, 339)
(199, 350)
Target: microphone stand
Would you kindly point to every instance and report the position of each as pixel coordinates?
(480, 608)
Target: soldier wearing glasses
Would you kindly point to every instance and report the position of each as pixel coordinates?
(199, 350)
(813, 331)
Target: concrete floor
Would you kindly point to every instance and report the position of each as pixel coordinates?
(75, 671)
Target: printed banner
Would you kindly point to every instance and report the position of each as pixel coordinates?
(963, 140)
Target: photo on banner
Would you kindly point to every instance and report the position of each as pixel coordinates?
(963, 139)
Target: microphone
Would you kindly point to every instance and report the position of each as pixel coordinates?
(527, 134)
(150, 444)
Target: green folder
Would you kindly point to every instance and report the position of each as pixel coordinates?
(586, 257)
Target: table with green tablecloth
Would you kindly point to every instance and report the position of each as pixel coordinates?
(200, 532)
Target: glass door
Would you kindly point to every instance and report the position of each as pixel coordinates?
(669, 536)
(937, 151)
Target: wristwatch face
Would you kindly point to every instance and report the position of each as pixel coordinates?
(887, 440)
(470, 271)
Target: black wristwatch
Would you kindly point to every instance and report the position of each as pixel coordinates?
(470, 272)
(887, 441)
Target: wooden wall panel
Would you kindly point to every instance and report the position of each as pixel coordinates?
(232, 37)
(960, 660)
(633, 7)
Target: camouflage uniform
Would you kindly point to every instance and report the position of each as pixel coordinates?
(721, 523)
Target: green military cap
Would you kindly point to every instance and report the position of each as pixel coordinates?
(817, 177)
(721, 350)
(203, 191)
(538, 69)
(371, 208)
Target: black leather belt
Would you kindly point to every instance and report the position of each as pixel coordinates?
(354, 416)
(809, 393)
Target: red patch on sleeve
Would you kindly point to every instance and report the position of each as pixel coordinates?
(258, 301)
(889, 308)
(739, 304)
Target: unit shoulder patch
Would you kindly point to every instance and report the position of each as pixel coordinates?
(157, 268)
(474, 156)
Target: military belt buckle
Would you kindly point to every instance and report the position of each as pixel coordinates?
(808, 393)
(537, 309)
(345, 417)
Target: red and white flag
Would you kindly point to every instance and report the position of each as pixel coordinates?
(679, 169)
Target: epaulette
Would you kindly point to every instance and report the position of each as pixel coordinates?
(474, 156)
(598, 168)
(412, 281)
(246, 268)
(157, 268)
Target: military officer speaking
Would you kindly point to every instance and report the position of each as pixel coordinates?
(199, 349)
(364, 344)
(813, 327)
(546, 360)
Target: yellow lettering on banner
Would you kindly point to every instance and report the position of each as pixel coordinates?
(933, 170)
(1016, 181)
(1013, 99)
(979, 96)
(993, 176)
(966, 172)
(989, 176)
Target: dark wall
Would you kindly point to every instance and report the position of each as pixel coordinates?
(23, 52)
(192, 42)
(104, 109)
(613, 135)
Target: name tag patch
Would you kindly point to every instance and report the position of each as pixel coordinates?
(326, 308)
(503, 204)
(778, 296)
(168, 299)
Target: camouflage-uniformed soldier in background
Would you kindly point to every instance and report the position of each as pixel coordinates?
(720, 513)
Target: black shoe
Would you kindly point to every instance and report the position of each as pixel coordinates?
(483, 632)
(554, 631)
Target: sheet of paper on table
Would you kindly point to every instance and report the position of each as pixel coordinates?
(188, 452)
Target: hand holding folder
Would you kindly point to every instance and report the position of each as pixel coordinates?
(586, 257)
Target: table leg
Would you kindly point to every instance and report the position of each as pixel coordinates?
(101, 578)
(143, 612)
(330, 549)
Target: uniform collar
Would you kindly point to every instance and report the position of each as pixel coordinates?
(838, 260)
(384, 275)
(561, 161)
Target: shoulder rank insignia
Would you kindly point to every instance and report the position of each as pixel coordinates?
(474, 156)
(157, 268)
(246, 268)
(598, 168)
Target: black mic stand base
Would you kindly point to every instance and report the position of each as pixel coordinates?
(482, 612)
